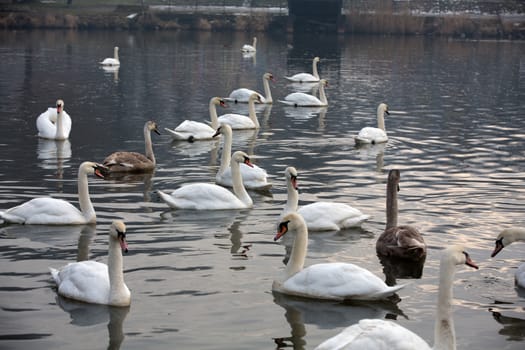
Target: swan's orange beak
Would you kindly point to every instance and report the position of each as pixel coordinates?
(101, 171)
(497, 248)
(294, 182)
(281, 231)
(470, 263)
(123, 242)
(59, 108)
(223, 104)
(247, 162)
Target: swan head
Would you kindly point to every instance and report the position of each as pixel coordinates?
(290, 222)
(316, 59)
(505, 237)
(383, 109)
(457, 256)
(218, 101)
(291, 175)
(241, 157)
(255, 97)
(60, 105)
(223, 129)
(323, 83)
(97, 169)
(268, 76)
(152, 126)
(117, 231)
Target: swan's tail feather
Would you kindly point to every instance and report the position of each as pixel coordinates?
(389, 291)
(55, 275)
(175, 134)
(13, 219)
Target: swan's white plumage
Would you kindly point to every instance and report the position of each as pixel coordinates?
(53, 211)
(506, 237)
(54, 123)
(95, 282)
(320, 216)
(112, 61)
(371, 135)
(190, 130)
(307, 77)
(376, 334)
(205, 196)
(239, 121)
(253, 177)
(250, 48)
(242, 95)
(301, 99)
(330, 281)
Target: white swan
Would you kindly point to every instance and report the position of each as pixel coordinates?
(52, 211)
(190, 130)
(405, 241)
(301, 99)
(122, 161)
(250, 48)
(239, 121)
(373, 334)
(331, 281)
(205, 196)
(320, 216)
(112, 61)
(55, 123)
(307, 77)
(242, 95)
(93, 282)
(506, 237)
(253, 177)
(370, 135)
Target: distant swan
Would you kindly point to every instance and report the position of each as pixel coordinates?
(250, 48)
(239, 121)
(307, 77)
(372, 334)
(112, 61)
(190, 130)
(330, 281)
(505, 238)
(253, 177)
(52, 211)
(55, 123)
(242, 95)
(206, 196)
(321, 216)
(370, 135)
(398, 241)
(301, 99)
(123, 161)
(93, 282)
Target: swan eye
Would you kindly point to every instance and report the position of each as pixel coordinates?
(500, 242)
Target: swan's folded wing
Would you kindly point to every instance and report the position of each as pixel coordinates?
(374, 334)
(44, 210)
(87, 281)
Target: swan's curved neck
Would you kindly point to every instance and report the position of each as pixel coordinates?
(322, 95)
(60, 125)
(149, 146)
(381, 120)
(254, 43)
(238, 186)
(86, 207)
(267, 91)
(226, 150)
(517, 234)
(292, 200)
(213, 115)
(444, 332)
(314, 69)
(115, 271)
(115, 53)
(299, 249)
(391, 204)
(251, 112)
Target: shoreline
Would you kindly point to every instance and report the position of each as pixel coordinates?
(219, 18)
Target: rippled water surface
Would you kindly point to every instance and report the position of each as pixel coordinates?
(202, 280)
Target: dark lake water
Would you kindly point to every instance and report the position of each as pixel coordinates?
(458, 140)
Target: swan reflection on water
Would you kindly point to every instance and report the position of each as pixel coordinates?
(513, 327)
(112, 70)
(326, 315)
(395, 268)
(85, 315)
(54, 155)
